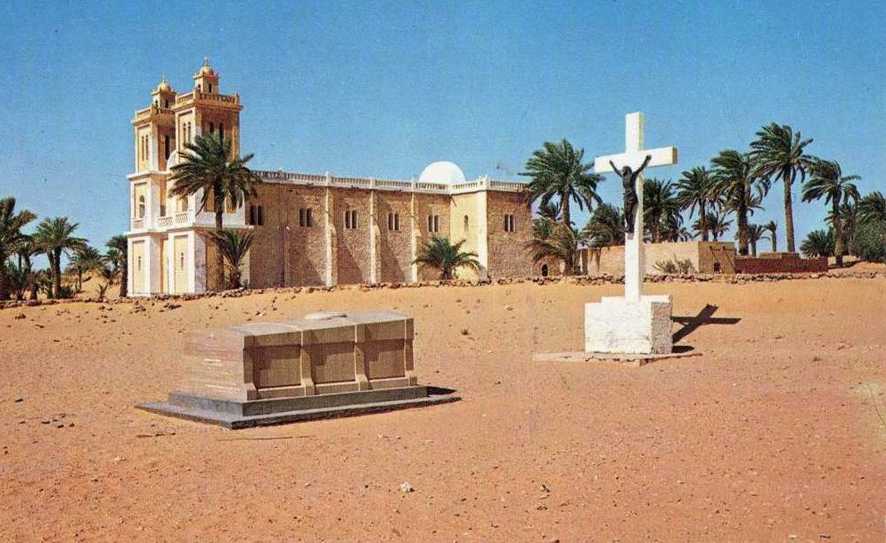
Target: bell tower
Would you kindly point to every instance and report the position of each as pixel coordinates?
(206, 80)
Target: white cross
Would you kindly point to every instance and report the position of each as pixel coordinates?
(633, 156)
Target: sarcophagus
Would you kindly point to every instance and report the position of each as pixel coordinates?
(263, 373)
(323, 353)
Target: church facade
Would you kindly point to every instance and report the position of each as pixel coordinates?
(319, 230)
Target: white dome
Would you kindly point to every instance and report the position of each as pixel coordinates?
(442, 172)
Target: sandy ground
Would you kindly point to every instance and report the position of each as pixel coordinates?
(777, 432)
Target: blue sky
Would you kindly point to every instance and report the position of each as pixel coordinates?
(381, 89)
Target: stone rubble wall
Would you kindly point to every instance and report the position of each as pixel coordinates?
(780, 263)
(170, 300)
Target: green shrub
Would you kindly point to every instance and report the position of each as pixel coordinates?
(675, 266)
(870, 241)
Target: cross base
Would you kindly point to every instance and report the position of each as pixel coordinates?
(619, 325)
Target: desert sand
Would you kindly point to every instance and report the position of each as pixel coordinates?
(776, 432)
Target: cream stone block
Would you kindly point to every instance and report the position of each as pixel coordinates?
(617, 325)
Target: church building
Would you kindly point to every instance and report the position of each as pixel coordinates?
(309, 229)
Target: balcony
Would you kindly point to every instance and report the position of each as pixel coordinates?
(185, 219)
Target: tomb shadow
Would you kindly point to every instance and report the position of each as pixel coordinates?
(704, 317)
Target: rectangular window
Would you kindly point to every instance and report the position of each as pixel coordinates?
(510, 223)
(250, 215)
(305, 217)
(351, 219)
(433, 223)
(261, 215)
(394, 222)
(166, 150)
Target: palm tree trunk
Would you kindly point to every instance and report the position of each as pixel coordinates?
(838, 235)
(124, 276)
(753, 248)
(742, 230)
(565, 212)
(57, 273)
(219, 258)
(703, 222)
(789, 214)
(3, 293)
(774, 243)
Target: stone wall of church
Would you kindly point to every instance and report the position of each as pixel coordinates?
(430, 205)
(287, 253)
(352, 244)
(394, 246)
(283, 252)
(508, 256)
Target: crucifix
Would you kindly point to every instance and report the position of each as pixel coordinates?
(630, 165)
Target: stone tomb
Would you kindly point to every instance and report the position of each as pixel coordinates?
(324, 365)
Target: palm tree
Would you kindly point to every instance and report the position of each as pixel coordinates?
(84, 260)
(108, 274)
(440, 254)
(16, 278)
(211, 167)
(780, 154)
(11, 236)
(694, 190)
(741, 188)
(818, 243)
(872, 208)
(660, 207)
(55, 237)
(828, 182)
(718, 223)
(549, 210)
(234, 247)
(849, 221)
(562, 245)
(772, 228)
(558, 174)
(118, 255)
(606, 226)
(755, 234)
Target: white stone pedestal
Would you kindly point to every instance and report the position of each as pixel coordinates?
(616, 325)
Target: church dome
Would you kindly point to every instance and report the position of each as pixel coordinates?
(206, 69)
(164, 86)
(442, 172)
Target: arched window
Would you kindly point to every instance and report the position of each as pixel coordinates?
(467, 221)
(544, 270)
(141, 207)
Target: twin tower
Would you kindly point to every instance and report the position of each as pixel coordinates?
(320, 230)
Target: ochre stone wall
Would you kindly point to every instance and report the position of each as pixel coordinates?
(780, 263)
(287, 254)
(352, 247)
(703, 256)
(426, 205)
(394, 249)
(284, 253)
(508, 256)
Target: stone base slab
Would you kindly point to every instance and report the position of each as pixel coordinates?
(632, 360)
(619, 326)
(235, 414)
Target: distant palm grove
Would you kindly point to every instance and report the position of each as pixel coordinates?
(707, 200)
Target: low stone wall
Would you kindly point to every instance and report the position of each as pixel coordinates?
(705, 256)
(780, 263)
(170, 302)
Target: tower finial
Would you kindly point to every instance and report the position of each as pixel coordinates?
(206, 61)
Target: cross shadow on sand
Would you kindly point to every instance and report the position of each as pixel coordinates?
(691, 324)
